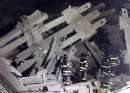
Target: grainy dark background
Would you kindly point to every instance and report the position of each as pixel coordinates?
(11, 10)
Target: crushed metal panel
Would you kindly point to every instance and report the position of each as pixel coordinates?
(125, 25)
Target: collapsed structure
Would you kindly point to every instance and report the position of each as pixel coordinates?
(58, 56)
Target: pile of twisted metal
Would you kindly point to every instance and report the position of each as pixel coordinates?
(84, 50)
